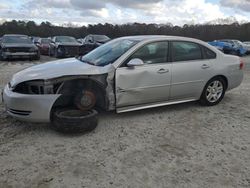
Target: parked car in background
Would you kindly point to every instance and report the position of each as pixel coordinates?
(224, 47)
(247, 44)
(18, 46)
(125, 74)
(81, 40)
(243, 45)
(90, 42)
(43, 44)
(238, 47)
(34, 39)
(64, 46)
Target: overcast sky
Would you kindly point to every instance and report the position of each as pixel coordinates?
(83, 12)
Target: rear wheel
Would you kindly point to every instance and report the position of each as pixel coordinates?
(213, 92)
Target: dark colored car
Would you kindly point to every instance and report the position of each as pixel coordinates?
(64, 46)
(90, 42)
(18, 46)
(43, 44)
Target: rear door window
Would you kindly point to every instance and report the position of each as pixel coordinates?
(185, 51)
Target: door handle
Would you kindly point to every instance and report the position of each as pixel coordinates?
(205, 66)
(162, 71)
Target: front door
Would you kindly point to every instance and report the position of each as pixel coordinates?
(147, 83)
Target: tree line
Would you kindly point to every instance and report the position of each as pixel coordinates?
(204, 32)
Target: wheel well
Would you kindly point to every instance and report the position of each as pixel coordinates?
(224, 78)
(218, 76)
(71, 88)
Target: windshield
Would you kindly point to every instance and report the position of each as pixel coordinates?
(109, 52)
(65, 39)
(45, 41)
(101, 37)
(17, 39)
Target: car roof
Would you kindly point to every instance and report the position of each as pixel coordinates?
(95, 35)
(159, 37)
(63, 36)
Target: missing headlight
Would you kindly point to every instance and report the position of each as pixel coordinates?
(36, 88)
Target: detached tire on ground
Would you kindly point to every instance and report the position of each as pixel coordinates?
(74, 121)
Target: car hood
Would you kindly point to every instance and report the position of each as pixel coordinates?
(8, 45)
(58, 68)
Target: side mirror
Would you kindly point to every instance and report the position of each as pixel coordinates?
(135, 62)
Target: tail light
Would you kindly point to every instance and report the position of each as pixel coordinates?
(242, 63)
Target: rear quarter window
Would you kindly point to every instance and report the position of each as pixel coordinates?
(208, 54)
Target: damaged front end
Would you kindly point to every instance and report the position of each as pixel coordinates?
(68, 87)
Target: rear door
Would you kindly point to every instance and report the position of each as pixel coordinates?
(148, 83)
(192, 68)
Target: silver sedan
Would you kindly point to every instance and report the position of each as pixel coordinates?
(125, 74)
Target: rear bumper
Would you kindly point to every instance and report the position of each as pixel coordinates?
(235, 79)
(32, 108)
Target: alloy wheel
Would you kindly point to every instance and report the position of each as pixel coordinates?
(214, 91)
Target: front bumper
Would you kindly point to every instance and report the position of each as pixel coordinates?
(32, 108)
(18, 54)
(44, 51)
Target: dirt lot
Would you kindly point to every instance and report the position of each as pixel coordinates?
(176, 146)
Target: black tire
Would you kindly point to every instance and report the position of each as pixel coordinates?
(37, 57)
(204, 97)
(239, 54)
(74, 121)
(1, 56)
(55, 53)
(50, 52)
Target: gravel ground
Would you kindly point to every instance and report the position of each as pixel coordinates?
(182, 145)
